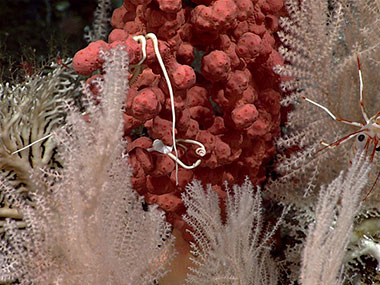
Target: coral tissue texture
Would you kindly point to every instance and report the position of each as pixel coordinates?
(219, 56)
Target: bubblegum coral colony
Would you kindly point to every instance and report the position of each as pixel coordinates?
(219, 56)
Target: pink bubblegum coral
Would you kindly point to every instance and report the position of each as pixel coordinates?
(216, 66)
(249, 47)
(145, 104)
(219, 55)
(243, 116)
(87, 60)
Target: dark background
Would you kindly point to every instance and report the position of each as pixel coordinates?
(33, 32)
